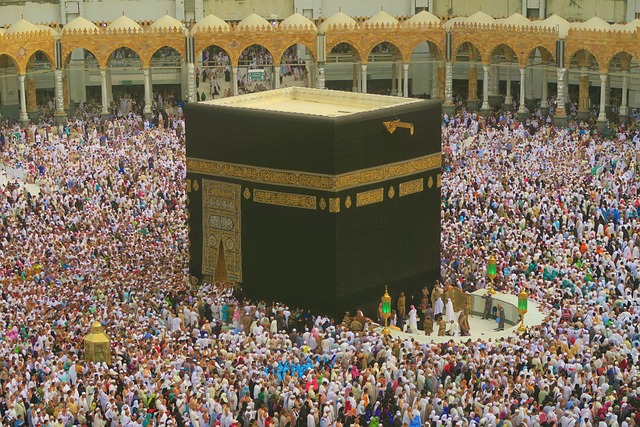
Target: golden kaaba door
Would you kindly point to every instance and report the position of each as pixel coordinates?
(221, 226)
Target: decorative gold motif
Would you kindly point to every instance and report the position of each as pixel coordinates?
(439, 180)
(221, 223)
(430, 182)
(313, 181)
(188, 186)
(196, 186)
(247, 193)
(392, 192)
(284, 199)
(334, 204)
(394, 124)
(323, 203)
(347, 202)
(411, 187)
(368, 197)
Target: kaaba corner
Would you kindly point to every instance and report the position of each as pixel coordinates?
(316, 198)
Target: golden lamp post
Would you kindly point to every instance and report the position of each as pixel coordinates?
(386, 310)
(523, 302)
(492, 272)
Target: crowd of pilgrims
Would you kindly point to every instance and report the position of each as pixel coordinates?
(105, 239)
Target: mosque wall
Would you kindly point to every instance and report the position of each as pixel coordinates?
(612, 11)
(234, 10)
(105, 10)
(32, 12)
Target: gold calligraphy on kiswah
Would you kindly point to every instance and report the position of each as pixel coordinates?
(315, 181)
(411, 187)
(368, 197)
(284, 199)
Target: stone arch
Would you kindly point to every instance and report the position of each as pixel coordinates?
(293, 71)
(576, 52)
(625, 58)
(106, 57)
(52, 62)
(342, 43)
(216, 50)
(504, 49)
(544, 53)
(67, 58)
(465, 43)
(281, 52)
(153, 56)
(424, 62)
(433, 47)
(395, 51)
(15, 61)
(243, 48)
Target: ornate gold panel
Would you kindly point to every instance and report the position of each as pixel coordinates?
(314, 181)
(284, 199)
(368, 197)
(334, 204)
(221, 225)
(411, 187)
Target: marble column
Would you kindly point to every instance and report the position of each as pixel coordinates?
(234, 79)
(523, 74)
(364, 78)
(147, 92)
(406, 80)
(191, 82)
(60, 114)
(321, 80)
(276, 76)
(624, 109)
(485, 87)
(560, 107)
(24, 118)
(103, 86)
(602, 116)
(448, 85)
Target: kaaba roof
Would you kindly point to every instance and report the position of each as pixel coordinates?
(315, 102)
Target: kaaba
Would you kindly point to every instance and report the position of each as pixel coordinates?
(315, 198)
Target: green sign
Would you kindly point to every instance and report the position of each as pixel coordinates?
(127, 83)
(256, 75)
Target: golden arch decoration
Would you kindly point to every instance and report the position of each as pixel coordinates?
(147, 54)
(9, 55)
(280, 52)
(368, 48)
(456, 49)
(432, 44)
(572, 54)
(543, 51)
(355, 50)
(495, 49)
(246, 46)
(51, 60)
(625, 59)
(66, 59)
